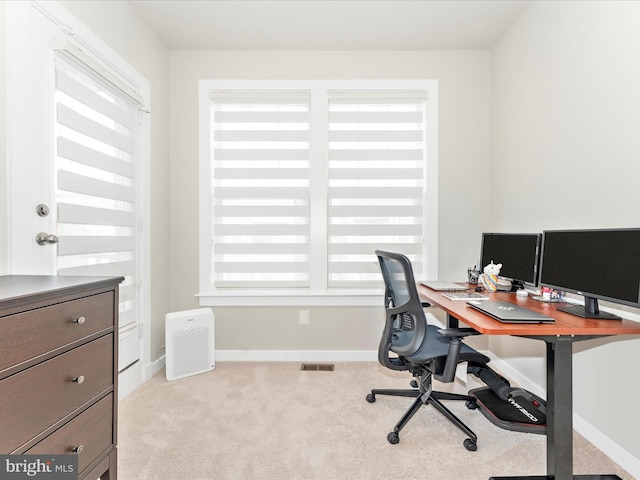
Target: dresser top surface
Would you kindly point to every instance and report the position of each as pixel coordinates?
(21, 288)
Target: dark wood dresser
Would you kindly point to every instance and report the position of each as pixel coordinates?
(58, 369)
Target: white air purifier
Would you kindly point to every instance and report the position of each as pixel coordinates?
(190, 348)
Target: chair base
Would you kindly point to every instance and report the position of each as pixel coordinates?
(523, 413)
(435, 400)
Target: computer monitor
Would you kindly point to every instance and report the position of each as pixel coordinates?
(601, 264)
(517, 252)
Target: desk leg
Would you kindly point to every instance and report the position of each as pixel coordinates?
(560, 415)
(560, 408)
(559, 411)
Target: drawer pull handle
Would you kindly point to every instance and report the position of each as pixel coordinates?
(78, 449)
(79, 380)
(80, 320)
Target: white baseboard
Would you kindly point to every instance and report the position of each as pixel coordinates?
(610, 448)
(607, 446)
(129, 380)
(154, 367)
(136, 375)
(297, 355)
(150, 369)
(504, 368)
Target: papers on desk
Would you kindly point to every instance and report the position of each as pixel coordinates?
(465, 296)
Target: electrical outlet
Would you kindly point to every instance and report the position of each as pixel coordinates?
(303, 317)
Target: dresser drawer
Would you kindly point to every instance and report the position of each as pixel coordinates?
(39, 397)
(35, 332)
(89, 434)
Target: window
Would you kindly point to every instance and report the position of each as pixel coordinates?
(260, 184)
(302, 181)
(376, 182)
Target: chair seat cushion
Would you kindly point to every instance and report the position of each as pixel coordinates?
(436, 345)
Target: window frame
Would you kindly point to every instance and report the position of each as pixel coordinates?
(317, 295)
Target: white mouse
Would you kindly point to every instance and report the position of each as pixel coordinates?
(522, 293)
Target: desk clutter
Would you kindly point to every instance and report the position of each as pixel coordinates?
(593, 264)
(550, 295)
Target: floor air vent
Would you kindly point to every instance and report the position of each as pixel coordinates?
(317, 367)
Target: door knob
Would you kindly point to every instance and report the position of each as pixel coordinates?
(43, 238)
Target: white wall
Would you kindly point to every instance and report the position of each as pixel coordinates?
(566, 120)
(464, 125)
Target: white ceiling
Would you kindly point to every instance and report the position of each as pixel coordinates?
(329, 24)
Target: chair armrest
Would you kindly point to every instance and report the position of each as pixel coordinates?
(451, 363)
(458, 332)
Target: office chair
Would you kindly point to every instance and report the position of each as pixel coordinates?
(428, 352)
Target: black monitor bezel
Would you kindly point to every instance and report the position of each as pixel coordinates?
(591, 309)
(518, 282)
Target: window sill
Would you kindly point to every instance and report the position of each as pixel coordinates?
(293, 298)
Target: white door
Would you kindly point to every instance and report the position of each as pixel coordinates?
(74, 163)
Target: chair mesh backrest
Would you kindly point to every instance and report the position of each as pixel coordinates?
(406, 326)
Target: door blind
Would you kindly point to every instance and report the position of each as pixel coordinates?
(376, 183)
(96, 193)
(260, 164)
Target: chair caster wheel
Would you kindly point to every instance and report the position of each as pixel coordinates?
(414, 384)
(393, 438)
(469, 445)
(471, 405)
(371, 398)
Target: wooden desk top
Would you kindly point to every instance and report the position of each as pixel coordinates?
(565, 324)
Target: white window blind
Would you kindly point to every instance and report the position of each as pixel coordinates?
(260, 187)
(96, 195)
(376, 190)
(301, 181)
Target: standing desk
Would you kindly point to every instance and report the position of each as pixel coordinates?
(559, 338)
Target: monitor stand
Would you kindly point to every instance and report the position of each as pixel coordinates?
(590, 310)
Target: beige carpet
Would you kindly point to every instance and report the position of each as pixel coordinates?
(274, 421)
